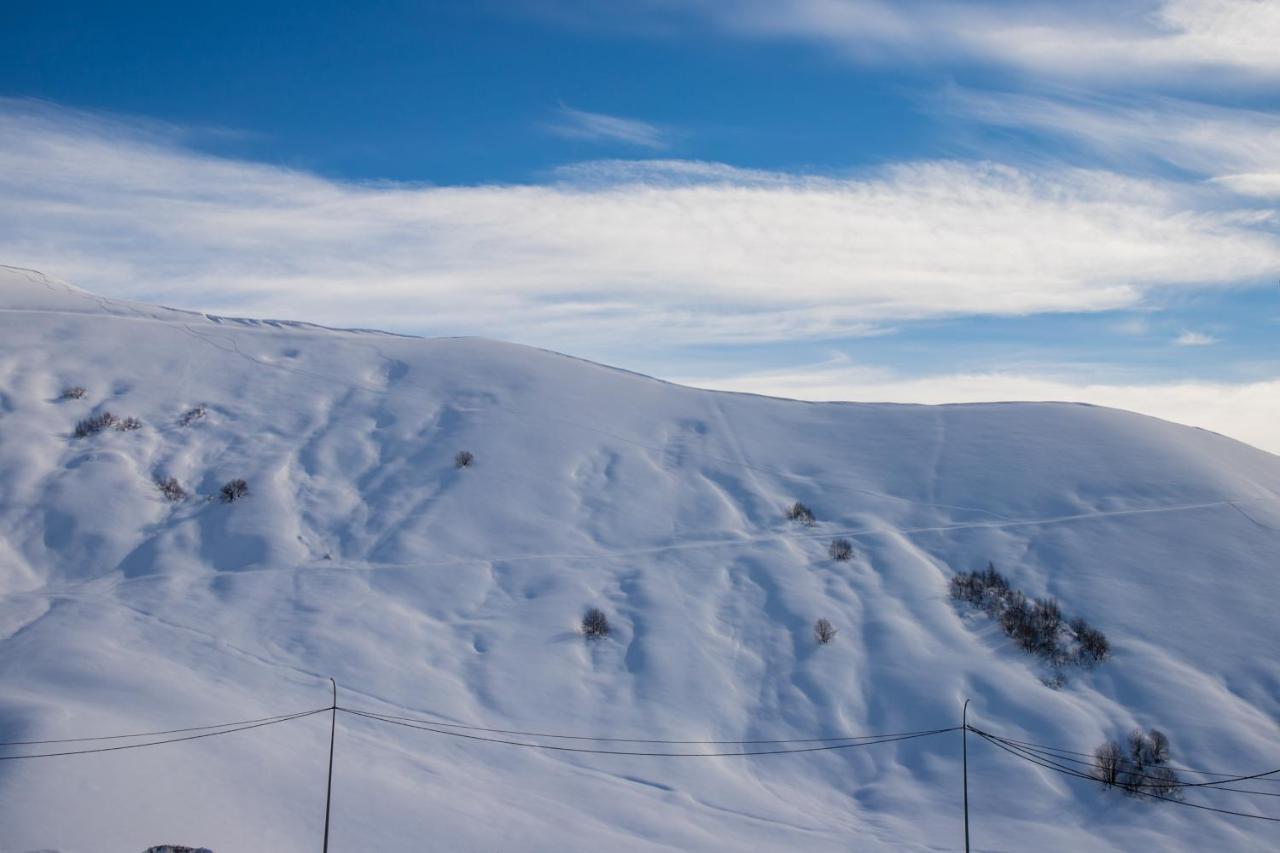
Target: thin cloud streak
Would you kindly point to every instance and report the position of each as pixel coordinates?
(580, 124)
(1237, 148)
(1121, 39)
(670, 252)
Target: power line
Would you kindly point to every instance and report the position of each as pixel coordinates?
(271, 722)
(443, 725)
(557, 748)
(1210, 784)
(1179, 768)
(1207, 786)
(1072, 772)
(147, 734)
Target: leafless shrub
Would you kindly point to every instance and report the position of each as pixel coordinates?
(1139, 767)
(190, 416)
(840, 550)
(1056, 681)
(1093, 644)
(1108, 758)
(1046, 624)
(823, 632)
(171, 489)
(233, 490)
(595, 623)
(463, 459)
(127, 425)
(1035, 626)
(73, 393)
(95, 424)
(801, 513)
(1163, 782)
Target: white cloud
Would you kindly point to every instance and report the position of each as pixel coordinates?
(1238, 148)
(580, 124)
(1119, 38)
(1194, 339)
(1244, 411)
(668, 251)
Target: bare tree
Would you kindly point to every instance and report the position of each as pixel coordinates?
(1157, 751)
(171, 489)
(1093, 644)
(840, 550)
(463, 459)
(1164, 783)
(801, 513)
(95, 424)
(1108, 757)
(595, 623)
(823, 632)
(190, 416)
(233, 490)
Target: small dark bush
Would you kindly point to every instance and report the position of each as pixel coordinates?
(171, 489)
(1046, 623)
(801, 513)
(191, 416)
(95, 424)
(74, 393)
(595, 623)
(823, 632)
(233, 490)
(1094, 647)
(127, 425)
(840, 550)
(463, 459)
(986, 589)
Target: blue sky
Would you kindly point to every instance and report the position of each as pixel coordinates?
(920, 201)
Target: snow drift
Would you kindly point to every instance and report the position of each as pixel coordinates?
(362, 551)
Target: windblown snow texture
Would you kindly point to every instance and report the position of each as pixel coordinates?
(362, 551)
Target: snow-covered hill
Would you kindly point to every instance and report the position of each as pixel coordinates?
(362, 552)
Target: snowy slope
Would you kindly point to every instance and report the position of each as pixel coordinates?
(363, 553)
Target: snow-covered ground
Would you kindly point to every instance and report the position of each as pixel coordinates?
(428, 590)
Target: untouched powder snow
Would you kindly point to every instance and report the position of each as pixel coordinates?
(426, 590)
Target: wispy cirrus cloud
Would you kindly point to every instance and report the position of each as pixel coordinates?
(581, 124)
(607, 253)
(1235, 147)
(1122, 38)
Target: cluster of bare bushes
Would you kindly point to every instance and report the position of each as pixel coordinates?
(1139, 766)
(104, 420)
(1036, 625)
